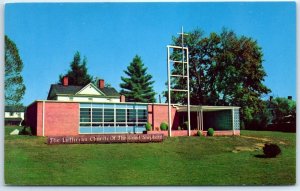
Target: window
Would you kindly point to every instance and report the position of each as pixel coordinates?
(131, 115)
(97, 115)
(120, 115)
(142, 116)
(108, 115)
(112, 118)
(85, 115)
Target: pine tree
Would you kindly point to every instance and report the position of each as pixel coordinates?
(78, 74)
(138, 86)
(14, 85)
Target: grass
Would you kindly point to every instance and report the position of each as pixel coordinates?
(176, 161)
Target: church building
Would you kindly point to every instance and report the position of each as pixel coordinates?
(96, 109)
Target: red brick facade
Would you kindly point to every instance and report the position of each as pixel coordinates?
(58, 113)
(60, 118)
(158, 113)
(31, 117)
(52, 118)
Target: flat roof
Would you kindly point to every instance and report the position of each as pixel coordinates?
(195, 108)
(179, 108)
(96, 102)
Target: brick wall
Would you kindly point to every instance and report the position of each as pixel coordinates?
(158, 113)
(39, 130)
(31, 117)
(59, 118)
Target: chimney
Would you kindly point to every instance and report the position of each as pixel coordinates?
(290, 97)
(65, 81)
(122, 98)
(101, 84)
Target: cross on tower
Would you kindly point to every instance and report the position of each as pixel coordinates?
(182, 45)
(185, 77)
(182, 36)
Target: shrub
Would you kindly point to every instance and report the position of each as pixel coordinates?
(210, 132)
(163, 126)
(148, 127)
(199, 133)
(184, 125)
(25, 131)
(271, 150)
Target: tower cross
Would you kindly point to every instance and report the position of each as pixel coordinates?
(182, 45)
(182, 36)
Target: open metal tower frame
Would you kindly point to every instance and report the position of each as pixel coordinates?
(185, 54)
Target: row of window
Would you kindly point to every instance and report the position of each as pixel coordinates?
(96, 116)
(107, 115)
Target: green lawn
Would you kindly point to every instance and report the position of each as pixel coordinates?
(176, 161)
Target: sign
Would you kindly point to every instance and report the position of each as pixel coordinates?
(111, 138)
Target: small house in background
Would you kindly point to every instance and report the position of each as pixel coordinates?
(89, 92)
(14, 115)
(96, 109)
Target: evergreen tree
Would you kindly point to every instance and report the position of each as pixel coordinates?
(14, 86)
(78, 74)
(138, 86)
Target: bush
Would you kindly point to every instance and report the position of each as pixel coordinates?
(25, 131)
(148, 127)
(163, 126)
(210, 132)
(184, 125)
(199, 133)
(271, 150)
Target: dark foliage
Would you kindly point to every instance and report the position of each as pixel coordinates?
(137, 87)
(199, 133)
(14, 84)
(148, 127)
(184, 125)
(271, 150)
(210, 132)
(163, 126)
(25, 131)
(225, 69)
(78, 73)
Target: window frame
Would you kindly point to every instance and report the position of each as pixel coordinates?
(135, 109)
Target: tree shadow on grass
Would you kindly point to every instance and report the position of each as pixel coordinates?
(264, 156)
(261, 156)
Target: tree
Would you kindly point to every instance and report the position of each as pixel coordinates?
(202, 51)
(224, 70)
(283, 108)
(138, 86)
(260, 119)
(14, 86)
(240, 74)
(78, 74)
